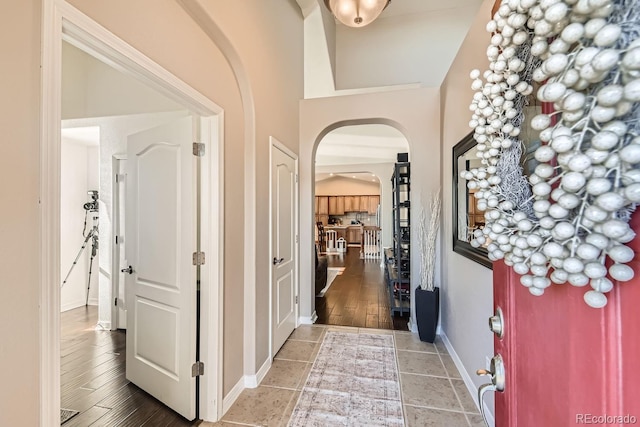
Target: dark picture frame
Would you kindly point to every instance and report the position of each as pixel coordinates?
(462, 247)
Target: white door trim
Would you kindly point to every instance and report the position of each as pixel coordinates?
(61, 21)
(115, 231)
(275, 144)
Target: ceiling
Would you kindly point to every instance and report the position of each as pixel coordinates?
(89, 135)
(360, 176)
(375, 144)
(361, 144)
(412, 7)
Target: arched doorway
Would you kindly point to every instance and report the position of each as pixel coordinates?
(354, 225)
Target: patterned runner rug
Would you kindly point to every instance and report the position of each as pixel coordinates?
(353, 382)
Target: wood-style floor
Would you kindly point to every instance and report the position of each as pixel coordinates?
(358, 297)
(93, 378)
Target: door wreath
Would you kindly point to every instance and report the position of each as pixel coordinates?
(562, 222)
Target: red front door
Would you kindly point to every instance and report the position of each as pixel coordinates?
(566, 363)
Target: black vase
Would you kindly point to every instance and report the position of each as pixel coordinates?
(427, 310)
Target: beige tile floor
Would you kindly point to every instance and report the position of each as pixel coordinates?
(432, 392)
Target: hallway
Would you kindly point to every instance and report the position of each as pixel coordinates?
(358, 297)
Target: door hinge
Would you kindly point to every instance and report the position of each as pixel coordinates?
(115, 301)
(119, 240)
(198, 149)
(297, 239)
(296, 178)
(197, 369)
(119, 177)
(198, 258)
(297, 299)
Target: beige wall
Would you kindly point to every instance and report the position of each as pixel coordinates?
(467, 297)
(414, 112)
(340, 186)
(19, 189)
(267, 37)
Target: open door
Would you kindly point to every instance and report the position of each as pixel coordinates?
(161, 279)
(283, 214)
(563, 362)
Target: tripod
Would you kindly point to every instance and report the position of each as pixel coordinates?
(93, 235)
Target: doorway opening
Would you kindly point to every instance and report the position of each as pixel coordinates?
(118, 142)
(354, 226)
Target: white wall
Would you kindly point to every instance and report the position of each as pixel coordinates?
(414, 112)
(79, 173)
(467, 297)
(402, 49)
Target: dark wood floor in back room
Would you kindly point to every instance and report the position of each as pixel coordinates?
(93, 379)
(358, 297)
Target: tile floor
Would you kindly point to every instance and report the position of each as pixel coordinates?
(432, 392)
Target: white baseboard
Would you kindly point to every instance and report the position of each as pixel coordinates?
(253, 381)
(304, 320)
(103, 326)
(232, 396)
(466, 377)
(71, 305)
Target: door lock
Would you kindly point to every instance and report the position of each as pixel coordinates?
(277, 261)
(497, 373)
(128, 270)
(496, 323)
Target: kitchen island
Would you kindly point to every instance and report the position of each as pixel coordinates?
(351, 233)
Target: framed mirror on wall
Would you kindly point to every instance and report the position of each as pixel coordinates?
(466, 216)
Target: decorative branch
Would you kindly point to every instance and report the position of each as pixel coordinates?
(428, 233)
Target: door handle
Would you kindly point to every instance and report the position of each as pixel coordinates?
(497, 373)
(496, 323)
(277, 261)
(128, 270)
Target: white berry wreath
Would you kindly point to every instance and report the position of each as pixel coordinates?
(573, 211)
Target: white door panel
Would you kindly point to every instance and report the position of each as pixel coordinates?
(283, 228)
(161, 292)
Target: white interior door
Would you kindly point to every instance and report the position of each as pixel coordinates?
(283, 169)
(161, 288)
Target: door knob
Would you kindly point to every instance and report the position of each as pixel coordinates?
(127, 270)
(496, 323)
(277, 261)
(497, 373)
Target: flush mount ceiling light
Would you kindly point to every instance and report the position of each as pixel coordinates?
(356, 13)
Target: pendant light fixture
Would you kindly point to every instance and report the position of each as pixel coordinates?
(356, 13)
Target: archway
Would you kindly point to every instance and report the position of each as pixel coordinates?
(353, 194)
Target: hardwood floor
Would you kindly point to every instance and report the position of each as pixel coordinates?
(93, 379)
(358, 297)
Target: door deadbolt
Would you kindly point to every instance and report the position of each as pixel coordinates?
(496, 323)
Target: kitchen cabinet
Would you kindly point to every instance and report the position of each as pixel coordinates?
(323, 205)
(352, 203)
(354, 234)
(336, 205)
(374, 201)
(364, 203)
